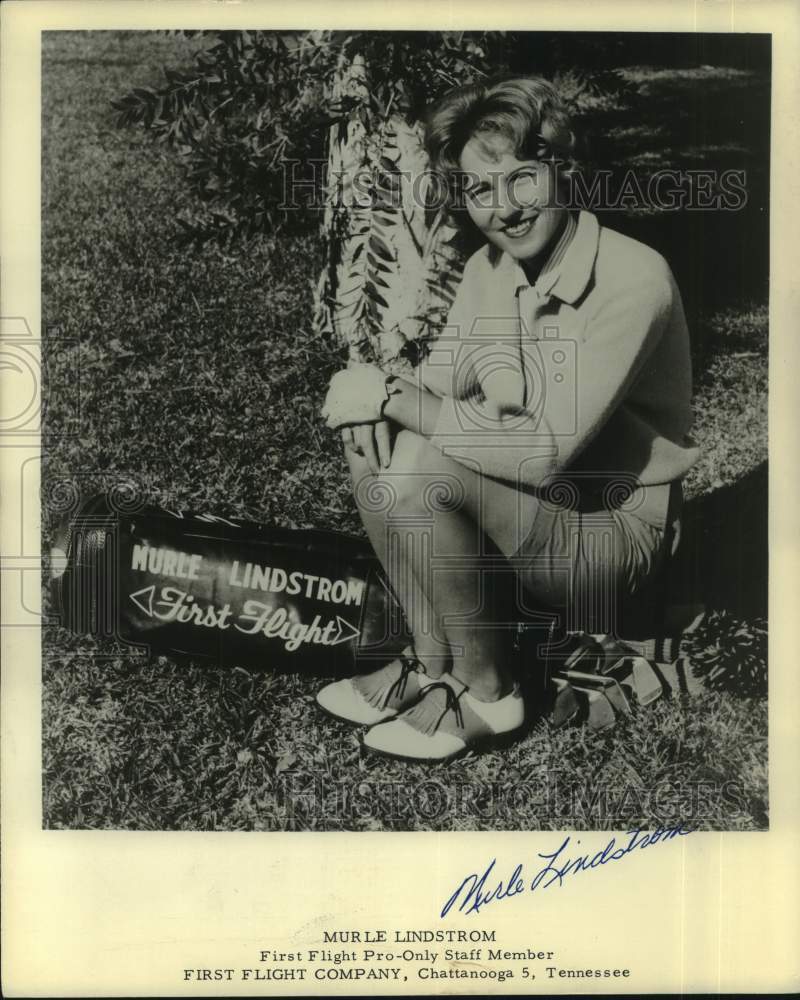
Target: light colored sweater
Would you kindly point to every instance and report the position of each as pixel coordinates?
(586, 373)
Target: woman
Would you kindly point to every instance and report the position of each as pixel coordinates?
(563, 375)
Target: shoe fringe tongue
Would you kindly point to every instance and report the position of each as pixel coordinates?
(373, 687)
(427, 714)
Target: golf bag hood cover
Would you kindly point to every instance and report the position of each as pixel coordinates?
(230, 590)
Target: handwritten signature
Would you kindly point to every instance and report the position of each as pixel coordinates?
(476, 890)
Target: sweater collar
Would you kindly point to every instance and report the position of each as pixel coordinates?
(568, 268)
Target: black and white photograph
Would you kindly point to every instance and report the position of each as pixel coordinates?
(404, 434)
(398, 523)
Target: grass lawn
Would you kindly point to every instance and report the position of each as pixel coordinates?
(200, 381)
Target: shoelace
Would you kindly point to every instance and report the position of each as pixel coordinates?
(409, 665)
(451, 704)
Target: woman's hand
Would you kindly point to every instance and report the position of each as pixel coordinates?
(363, 403)
(356, 395)
(373, 441)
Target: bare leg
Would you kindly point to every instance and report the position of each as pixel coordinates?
(443, 512)
(375, 499)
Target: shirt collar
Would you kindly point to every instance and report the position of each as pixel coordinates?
(568, 269)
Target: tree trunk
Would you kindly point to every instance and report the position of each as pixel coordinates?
(390, 269)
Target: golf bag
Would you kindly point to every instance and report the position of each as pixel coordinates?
(231, 591)
(316, 601)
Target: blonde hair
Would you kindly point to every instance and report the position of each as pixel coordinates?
(527, 111)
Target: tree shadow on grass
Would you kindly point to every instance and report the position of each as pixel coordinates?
(722, 563)
(712, 121)
(721, 568)
(722, 559)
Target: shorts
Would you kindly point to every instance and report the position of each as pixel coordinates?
(587, 562)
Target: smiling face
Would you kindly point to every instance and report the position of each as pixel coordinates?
(513, 202)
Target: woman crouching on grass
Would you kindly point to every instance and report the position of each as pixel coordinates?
(565, 361)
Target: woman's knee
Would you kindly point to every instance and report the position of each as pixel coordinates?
(410, 453)
(414, 482)
(413, 453)
(421, 478)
